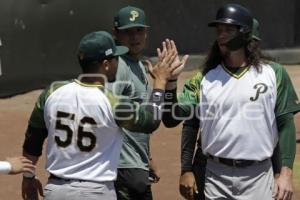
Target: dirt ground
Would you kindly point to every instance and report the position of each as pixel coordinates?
(165, 144)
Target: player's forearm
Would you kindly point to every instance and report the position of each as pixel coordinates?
(173, 112)
(188, 143)
(141, 118)
(287, 140)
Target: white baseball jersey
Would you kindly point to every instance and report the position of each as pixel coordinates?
(84, 141)
(237, 118)
(238, 112)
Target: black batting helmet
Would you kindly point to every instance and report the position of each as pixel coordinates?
(234, 14)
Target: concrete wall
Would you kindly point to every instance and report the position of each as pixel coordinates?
(39, 38)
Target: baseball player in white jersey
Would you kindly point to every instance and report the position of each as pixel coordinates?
(81, 121)
(193, 162)
(245, 106)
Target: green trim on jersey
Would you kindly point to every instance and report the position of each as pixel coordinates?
(87, 84)
(236, 72)
(37, 116)
(287, 100)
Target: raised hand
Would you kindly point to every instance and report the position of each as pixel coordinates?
(170, 44)
(165, 67)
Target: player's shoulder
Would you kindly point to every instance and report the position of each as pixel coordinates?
(274, 66)
(121, 61)
(123, 70)
(278, 70)
(195, 80)
(54, 86)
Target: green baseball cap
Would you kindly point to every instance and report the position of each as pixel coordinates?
(99, 45)
(255, 30)
(129, 17)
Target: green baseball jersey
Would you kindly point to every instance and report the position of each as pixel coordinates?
(132, 79)
(239, 109)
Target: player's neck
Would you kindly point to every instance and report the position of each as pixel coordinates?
(235, 59)
(134, 57)
(92, 80)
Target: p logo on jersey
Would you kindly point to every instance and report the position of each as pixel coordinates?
(260, 89)
(134, 14)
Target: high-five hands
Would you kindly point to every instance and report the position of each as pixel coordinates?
(179, 64)
(169, 66)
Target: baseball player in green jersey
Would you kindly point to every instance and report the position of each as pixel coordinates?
(193, 161)
(16, 165)
(245, 105)
(136, 168)
(81, 121)
(130, 29)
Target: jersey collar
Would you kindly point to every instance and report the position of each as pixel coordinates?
(235, 72)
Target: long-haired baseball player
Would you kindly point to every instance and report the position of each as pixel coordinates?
(193, 161)
(245, 106)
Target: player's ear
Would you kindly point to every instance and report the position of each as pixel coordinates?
(105, 64)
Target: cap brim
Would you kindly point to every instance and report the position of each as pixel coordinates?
(121, 50)
(132, 26)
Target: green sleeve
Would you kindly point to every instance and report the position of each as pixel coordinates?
(287, 139)
(184, 106)
(37, 116)
(36, 131)
(191, 90)
(287, 104)
(286, 100)
(137, 117)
